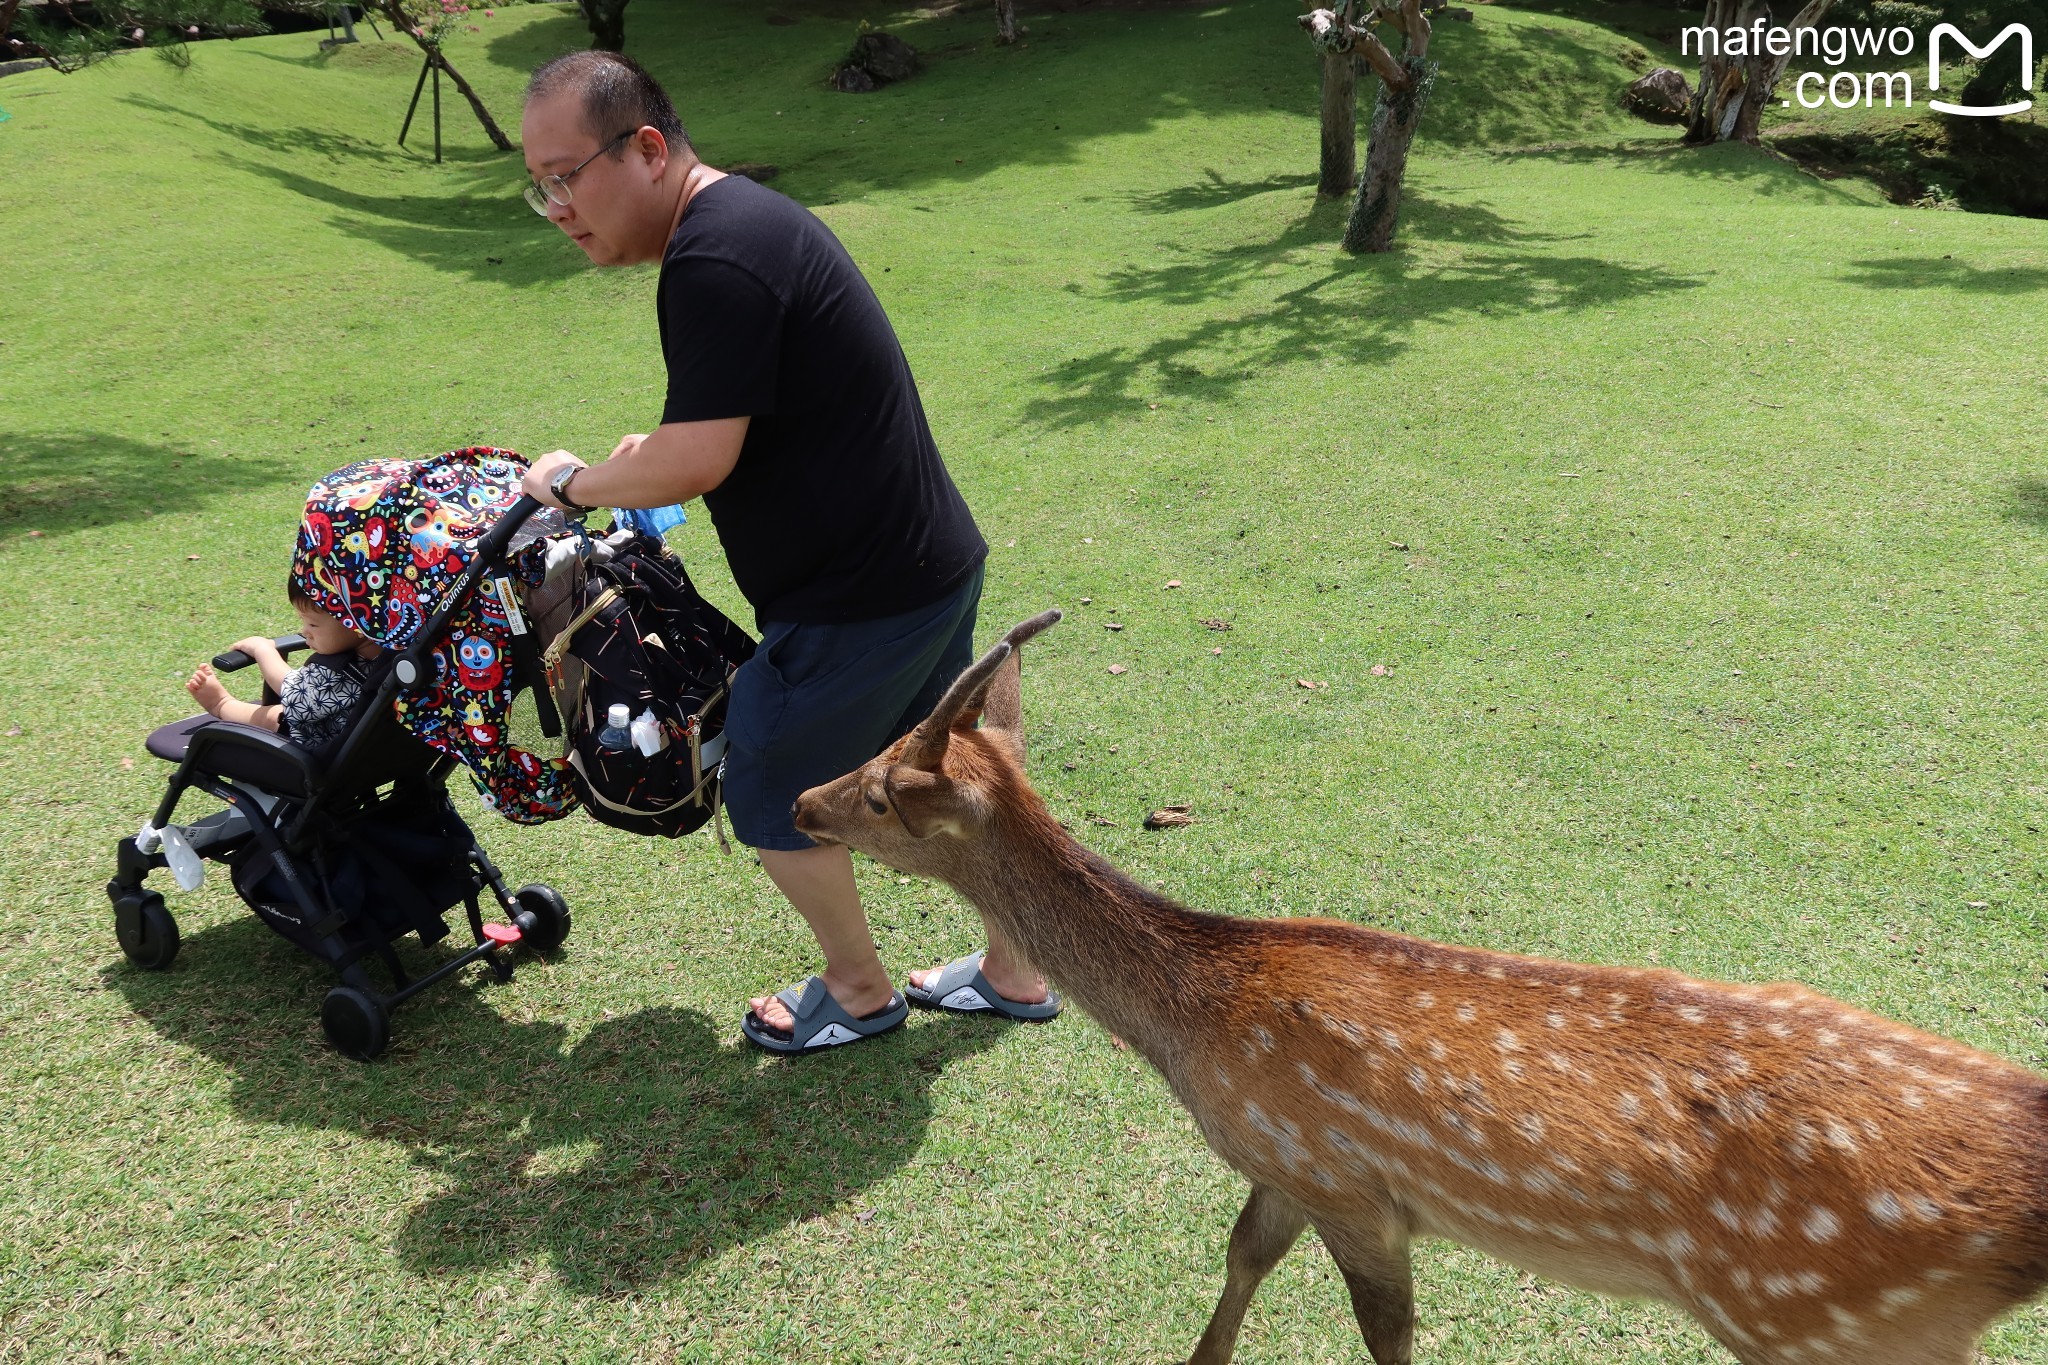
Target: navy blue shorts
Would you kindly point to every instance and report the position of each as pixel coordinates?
(816, 702)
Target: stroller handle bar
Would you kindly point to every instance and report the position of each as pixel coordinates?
(235, 659)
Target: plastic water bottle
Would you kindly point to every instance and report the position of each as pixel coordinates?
(616, 737)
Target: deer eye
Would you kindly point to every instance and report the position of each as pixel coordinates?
(877, 805)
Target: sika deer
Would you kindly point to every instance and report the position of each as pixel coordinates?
(1810, 1182)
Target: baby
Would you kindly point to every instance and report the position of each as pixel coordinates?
(314, 700)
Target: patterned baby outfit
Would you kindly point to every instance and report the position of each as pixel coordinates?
(318, 696)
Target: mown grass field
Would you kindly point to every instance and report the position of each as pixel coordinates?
(1693, 510)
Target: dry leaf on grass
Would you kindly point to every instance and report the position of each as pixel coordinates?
(1169, 817)
(1215, 623)
(1118, 669)
(1112, 625)
(1092, 818)
(1173, 582)
(1379, 670)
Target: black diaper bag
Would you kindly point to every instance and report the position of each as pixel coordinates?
(642, 637)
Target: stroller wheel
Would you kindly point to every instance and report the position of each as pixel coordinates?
(148, 934)
(355, 1023)
(549, 915)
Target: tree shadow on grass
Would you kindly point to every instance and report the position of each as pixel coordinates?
(1348, 311)
(57, 482)
(623, 1159)
(487, 233)
(1499, 84)
(1214, 191)
(1925, 272)
(293, 140)
(1758, 170)
(2029, 503)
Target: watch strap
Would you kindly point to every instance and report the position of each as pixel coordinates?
(559, 487)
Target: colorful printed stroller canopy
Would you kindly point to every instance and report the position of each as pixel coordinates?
(380, 549)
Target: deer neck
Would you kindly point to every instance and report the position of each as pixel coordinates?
(1144, 967)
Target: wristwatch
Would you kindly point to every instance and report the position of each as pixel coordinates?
(558, 487)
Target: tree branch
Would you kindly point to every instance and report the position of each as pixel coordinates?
(1330, 34)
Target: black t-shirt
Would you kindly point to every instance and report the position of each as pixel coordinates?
(839, 508)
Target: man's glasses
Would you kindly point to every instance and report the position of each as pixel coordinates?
(555, 188)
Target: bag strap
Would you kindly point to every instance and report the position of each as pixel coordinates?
(526, 661)
(551, 657)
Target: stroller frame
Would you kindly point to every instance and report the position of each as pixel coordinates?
(286, 801)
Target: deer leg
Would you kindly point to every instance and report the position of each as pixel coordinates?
(1374, 1261)
(1265, 1230)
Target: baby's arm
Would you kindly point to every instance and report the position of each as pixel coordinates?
(208, 692)
(268, 661)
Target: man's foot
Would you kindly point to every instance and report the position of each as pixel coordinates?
(818, 1023)
(1018, 985)
(967, 986)
(857, 998)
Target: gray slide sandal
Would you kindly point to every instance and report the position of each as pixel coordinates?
(821, 1021)
(960, 988)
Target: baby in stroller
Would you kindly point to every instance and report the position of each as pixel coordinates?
(339, 832)
(313, 700)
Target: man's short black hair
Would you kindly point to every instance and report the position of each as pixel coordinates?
(617, 93)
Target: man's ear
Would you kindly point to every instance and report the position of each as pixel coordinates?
(927, 803)
(652, 146)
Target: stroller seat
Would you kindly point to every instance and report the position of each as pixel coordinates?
(241, 753)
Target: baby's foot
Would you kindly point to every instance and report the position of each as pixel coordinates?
(206, 689)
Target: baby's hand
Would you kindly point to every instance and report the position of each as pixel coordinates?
(206, 689)
(255, 646)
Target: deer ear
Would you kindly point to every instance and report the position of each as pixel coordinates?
(925, 802)
(1002, 701)
(926, 748)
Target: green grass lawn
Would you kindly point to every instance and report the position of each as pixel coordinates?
(1694, 509)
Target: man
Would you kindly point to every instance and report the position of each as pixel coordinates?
(792, 412)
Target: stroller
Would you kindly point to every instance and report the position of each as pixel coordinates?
(346, 851)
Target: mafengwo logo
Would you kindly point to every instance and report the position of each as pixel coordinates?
(2026, 46)
(1847, 89)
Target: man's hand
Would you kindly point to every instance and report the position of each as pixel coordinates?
(627, 445)
(542, 472)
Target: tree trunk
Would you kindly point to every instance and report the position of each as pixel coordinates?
(1007, 29)
(1340, 125)
(7, 12)
(607, 20)
(395, 12)
(1395, 116)
(483, 115)
(1729, 104)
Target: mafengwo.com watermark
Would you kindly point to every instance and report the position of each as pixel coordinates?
(1847, 89)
